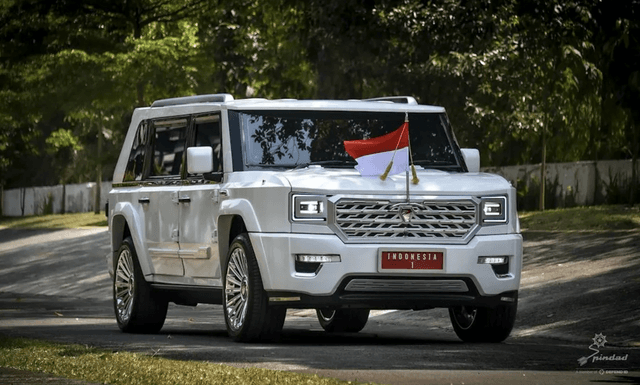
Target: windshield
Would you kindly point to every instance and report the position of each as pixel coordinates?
(290, 139)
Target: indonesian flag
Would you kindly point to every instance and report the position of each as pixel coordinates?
(374, 155)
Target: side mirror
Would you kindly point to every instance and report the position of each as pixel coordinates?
(199, 160)
(472, 159)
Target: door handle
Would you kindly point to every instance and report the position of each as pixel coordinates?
(184, 199)
(144, 200)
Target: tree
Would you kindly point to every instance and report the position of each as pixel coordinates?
(79, 71)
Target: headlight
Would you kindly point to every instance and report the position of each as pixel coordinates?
(309, 208)
(494, 210)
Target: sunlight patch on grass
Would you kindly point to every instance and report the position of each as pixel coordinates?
(102, 366)
(55, 221)
(617, 217)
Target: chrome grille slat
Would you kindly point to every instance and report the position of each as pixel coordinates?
(439, 220)
(408, 286)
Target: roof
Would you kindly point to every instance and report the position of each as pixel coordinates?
(387, 104)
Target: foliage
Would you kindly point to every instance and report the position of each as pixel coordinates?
(523, 81)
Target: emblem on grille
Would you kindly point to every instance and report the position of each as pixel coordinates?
(406, 210)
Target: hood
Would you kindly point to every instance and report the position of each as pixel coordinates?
(432, 182)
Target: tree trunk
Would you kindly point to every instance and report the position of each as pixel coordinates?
(634, 163)
(64, 199)
(543, 166)
(137, 34)
(23, 193)
(96, 206)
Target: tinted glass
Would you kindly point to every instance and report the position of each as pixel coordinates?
(293, 138)
(135, 165)
(207, 133)
(168, 147)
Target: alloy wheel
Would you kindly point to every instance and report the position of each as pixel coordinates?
(124, 285)
(237, 288)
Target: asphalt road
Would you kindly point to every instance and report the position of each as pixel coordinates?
(54, 285)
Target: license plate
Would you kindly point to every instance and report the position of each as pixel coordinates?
(412, 260)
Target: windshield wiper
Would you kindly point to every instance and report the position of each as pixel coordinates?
(438, 165)
(331, 162)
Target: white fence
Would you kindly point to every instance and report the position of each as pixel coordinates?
(71, 198)
(568, 184)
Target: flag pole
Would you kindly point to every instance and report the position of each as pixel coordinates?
(388, 170)
(414, 179)
(407, 179)
(406, 120)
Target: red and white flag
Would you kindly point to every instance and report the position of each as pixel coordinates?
(374, 155)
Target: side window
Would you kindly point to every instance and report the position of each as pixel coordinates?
(168, 147)
(207, 133)
(136, 164)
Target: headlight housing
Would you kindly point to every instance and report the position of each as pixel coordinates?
(308, 208)
(494, 210)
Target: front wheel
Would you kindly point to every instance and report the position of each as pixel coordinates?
(480, 324)
(247, 313)
(138, 309)
(343, 320)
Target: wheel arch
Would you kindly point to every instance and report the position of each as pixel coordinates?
(126, 222)
(229, 227)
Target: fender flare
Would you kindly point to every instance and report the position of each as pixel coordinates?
(242, 208)
(125, 214)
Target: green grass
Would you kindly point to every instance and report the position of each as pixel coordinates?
(55, 221)
(579, 218)
(102, 366)
(583, 218)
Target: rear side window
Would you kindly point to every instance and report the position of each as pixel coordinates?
(136, 165)
(168, 147)
(158, 150)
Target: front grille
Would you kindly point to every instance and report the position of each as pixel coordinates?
(446, 221)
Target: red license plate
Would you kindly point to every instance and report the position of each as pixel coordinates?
(412, 260)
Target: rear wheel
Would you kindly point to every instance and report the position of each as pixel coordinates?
(247, 313)
(138, 309)
(479, 324)
(343, 320)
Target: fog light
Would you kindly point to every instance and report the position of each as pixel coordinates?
(313, 258)
(493, 260)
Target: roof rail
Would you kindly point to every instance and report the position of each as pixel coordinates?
(210, 98)
(394, 99)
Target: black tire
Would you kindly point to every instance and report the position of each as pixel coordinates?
(138, 309)
(247, 313)
(481, 324)
(343, 320)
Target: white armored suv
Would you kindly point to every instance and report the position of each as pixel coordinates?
(256, 205)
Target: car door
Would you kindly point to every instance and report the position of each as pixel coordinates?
(160, 197)
(199, 210)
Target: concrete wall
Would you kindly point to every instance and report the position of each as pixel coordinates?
(572, 184)
(77, 198)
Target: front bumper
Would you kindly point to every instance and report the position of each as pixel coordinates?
(461, 281)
